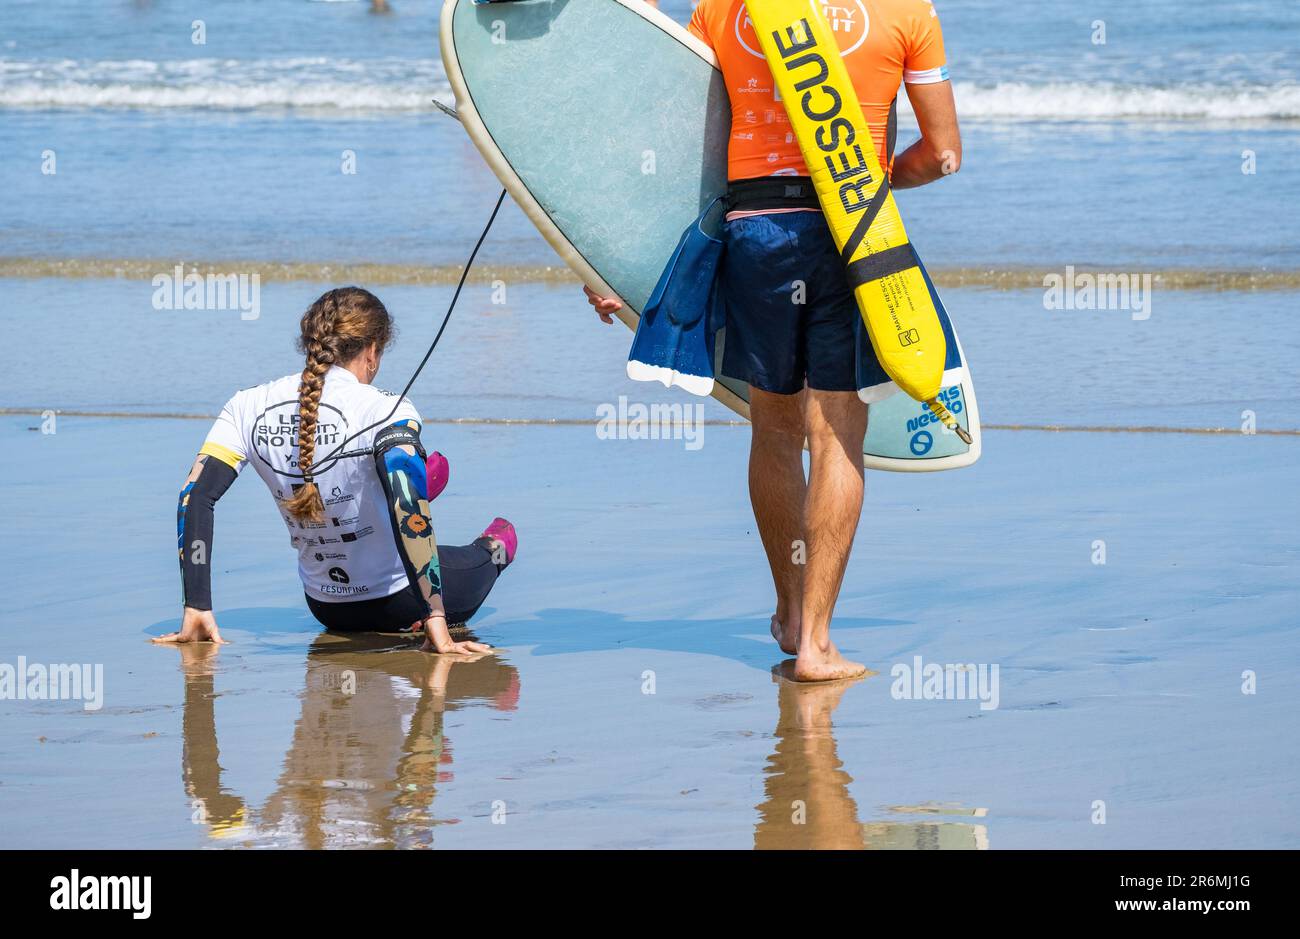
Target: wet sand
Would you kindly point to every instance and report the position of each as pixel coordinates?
(639, 572)
(1096, 368)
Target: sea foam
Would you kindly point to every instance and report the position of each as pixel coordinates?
(398, 85)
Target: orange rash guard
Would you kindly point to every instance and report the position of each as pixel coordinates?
(884, 42)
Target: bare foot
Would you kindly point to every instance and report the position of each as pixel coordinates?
(825, 664)
(787, 637)
(810, 704)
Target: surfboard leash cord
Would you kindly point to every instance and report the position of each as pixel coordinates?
(945, 417)
(338, 453)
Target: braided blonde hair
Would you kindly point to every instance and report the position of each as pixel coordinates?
(337, 328)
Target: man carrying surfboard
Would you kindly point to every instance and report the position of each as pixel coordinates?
(793, 327)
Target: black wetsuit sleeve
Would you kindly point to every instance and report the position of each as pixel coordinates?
(194, 525)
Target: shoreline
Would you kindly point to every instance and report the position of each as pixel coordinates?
(1023, 277)
(592, 422)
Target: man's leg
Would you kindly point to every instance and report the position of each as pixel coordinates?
(837, 423)
(777, 490)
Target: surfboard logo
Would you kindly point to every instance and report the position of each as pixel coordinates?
(848, 19)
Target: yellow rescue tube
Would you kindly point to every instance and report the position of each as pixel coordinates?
(827, 120)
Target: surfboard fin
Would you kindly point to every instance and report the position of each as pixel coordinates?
(445, 109)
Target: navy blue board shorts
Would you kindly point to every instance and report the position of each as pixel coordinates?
(773, 342)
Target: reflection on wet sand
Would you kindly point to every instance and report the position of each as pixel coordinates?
(369, 754)
(808, 805)
(222, 811)
(368, 751)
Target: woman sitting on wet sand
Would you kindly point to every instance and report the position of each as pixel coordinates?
(367, 555)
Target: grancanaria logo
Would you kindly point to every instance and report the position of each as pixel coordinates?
(848, 19)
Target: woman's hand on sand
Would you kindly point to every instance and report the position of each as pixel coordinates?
(605, 306)
(438, 639)
(196, 626)
(458, 648)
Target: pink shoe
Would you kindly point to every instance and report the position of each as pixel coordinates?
(502, 531)
(437, 472)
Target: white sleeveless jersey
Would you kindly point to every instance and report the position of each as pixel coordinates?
(352, 554)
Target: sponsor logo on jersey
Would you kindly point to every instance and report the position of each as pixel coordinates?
(276, 429)
(848, 19)
(342, 590)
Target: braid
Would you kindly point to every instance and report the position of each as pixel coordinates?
(335, 329)
(318, 328)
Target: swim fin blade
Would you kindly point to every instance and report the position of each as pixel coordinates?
(673, 352)
(675, 337)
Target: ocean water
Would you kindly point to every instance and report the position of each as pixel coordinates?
(1122, 153)
(1125, 156)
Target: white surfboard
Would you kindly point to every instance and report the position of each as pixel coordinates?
(608, 125)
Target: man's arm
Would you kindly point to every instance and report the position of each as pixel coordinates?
(938, 152)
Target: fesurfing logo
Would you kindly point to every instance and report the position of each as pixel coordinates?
(341, 583)
(848, 20)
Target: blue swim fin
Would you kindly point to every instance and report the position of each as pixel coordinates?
(674, 340)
